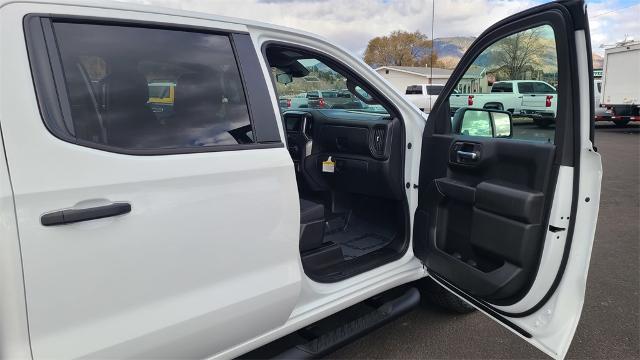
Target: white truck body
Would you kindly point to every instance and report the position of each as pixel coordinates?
(621, 80)
(520, 97)
(205, 263)
(423, 95)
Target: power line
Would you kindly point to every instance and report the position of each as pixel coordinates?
(616, 10)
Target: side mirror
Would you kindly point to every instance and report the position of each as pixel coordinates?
(483, 122)
(284, 78)
(360, 93)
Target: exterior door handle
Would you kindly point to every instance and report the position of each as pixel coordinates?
(467, 155)
(69, 216)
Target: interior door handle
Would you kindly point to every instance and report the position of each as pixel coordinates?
(69, 216)
(467, 155)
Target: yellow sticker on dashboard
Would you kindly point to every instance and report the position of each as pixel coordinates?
(328, 165)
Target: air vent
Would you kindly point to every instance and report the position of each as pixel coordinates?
(378, 141)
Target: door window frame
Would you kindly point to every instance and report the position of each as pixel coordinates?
(53, 101)
(566, 130)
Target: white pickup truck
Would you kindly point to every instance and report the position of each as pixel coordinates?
(423, 95)
(532, 98)
(230, 224)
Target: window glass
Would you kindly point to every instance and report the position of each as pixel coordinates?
(141, 88)
(414, 90)
(505, 87)
(319, 86)
(517, 74)
(434, 89)
(526, 88)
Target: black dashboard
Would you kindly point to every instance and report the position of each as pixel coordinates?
(365, 147)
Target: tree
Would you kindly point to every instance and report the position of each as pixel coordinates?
(400, 48)
(519, 52)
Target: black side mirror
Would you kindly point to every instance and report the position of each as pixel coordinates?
(482, 122)
(360, 93)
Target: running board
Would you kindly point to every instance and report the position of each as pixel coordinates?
(352, 330)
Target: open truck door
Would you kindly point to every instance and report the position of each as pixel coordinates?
(507, 212)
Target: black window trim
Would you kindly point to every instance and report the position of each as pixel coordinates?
(53, 99)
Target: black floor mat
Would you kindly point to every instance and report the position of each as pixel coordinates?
(363, 244)
(360, 237)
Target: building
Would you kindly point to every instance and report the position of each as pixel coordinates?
(402, 76)
(474, 80)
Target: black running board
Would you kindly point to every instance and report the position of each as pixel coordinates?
(352, 330)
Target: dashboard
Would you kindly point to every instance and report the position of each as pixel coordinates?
(366, 148)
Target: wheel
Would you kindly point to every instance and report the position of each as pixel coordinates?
(436, 294)
(542, 122)
(621, 122)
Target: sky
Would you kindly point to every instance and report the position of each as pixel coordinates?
(352, 23)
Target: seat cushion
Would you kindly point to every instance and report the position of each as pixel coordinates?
(310, 211)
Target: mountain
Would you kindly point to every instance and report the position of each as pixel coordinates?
(451, 49)
(452, 46)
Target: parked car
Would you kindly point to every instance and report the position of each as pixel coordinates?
(536, 99)
(620, 79)
(423, 95)
(294, 102)
(232, 223)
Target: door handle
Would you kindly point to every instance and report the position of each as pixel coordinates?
(467, 155)
(69, 216)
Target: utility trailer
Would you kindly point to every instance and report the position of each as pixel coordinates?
(621, 82)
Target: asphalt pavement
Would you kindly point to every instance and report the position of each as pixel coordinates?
(610, 323)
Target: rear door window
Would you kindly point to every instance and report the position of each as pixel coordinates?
(152, 89)
(542, 88)
(526, 88)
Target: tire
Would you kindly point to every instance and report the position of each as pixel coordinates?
(542, 122)
(436, 294)
(621, 123)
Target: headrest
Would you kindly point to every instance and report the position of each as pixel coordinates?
(127, 89)
(196, 91)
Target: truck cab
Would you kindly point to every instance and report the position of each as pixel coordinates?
(230, 221)
(423, 95)
(528, 98)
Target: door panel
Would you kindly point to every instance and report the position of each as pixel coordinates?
(506, 212)
(206, 258)
(485, 218)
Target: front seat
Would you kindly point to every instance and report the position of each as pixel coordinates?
(311, 225)
(130, 120)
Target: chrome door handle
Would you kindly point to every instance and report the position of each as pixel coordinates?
(467, 155)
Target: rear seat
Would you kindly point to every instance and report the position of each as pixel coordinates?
(311, 225)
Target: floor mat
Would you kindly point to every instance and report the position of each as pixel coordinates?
(363, 244)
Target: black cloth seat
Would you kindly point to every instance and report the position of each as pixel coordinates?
(311, 225)
(310, 211)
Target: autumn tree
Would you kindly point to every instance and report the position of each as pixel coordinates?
(519, 52)
(400, 48)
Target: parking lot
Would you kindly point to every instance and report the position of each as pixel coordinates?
(609, 327)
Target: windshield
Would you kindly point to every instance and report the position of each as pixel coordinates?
(323, 88)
